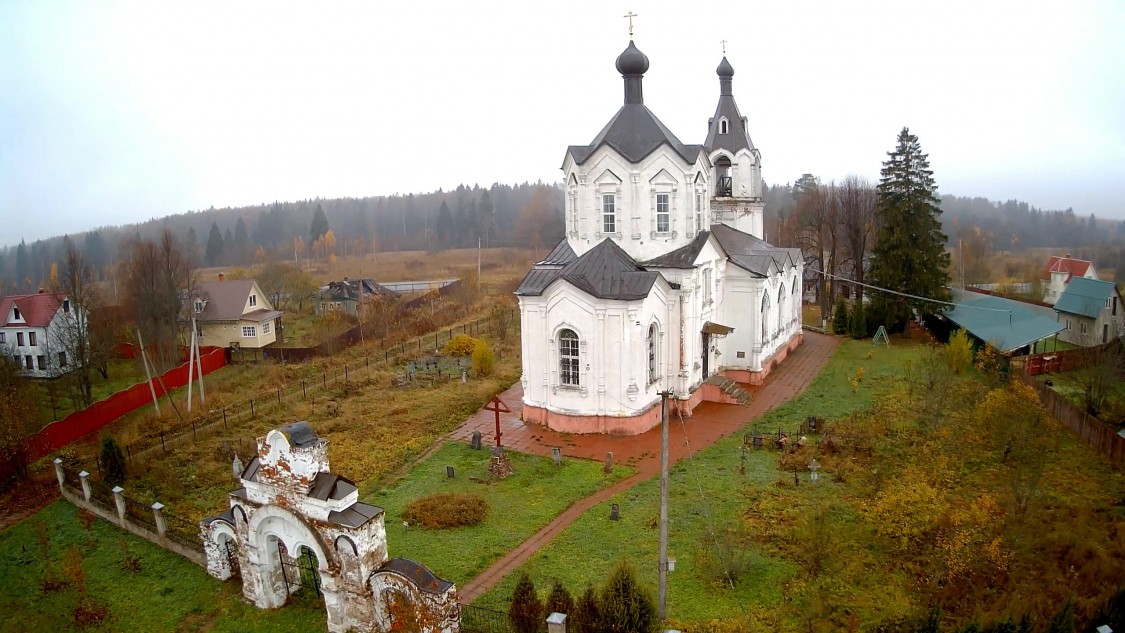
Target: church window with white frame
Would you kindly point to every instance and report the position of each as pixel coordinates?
(706, 285)
(609, 213)
(663, 213)
(698, 211)
(781, 308)
(765, 316)
(652, 368)
(568, 358)
(724, 126)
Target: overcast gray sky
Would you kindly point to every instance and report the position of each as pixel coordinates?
(113, 112)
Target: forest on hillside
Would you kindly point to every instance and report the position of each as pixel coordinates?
(528, 214)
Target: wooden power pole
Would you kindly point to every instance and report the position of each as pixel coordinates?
(664, 504)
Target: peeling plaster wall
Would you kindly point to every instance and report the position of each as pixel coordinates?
(439, 613)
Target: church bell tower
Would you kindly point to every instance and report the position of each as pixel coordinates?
(736, 173)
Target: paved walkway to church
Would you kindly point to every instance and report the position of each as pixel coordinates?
(710, 422)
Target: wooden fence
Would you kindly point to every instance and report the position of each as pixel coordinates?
(1091, 431)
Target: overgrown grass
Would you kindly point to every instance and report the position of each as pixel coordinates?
(815, 557)
(168, 593)
(519, 505)
(1070, 386)
(123, 374)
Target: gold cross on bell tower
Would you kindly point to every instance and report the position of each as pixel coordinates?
(724, 43)
(630, 15)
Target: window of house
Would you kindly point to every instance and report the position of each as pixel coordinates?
(41, 362)
(19, 339)
(663, 213)
(568, 358)
(32, 339)
(16, 314)
(198, 306)
(253, 300)
(652, 374)
(248, 331)
(66, 305)
(1068, 324)
(3, 338)
(706, 285)
(62, 359)
(1082, 327)
(609, 214)
(266, 327)
(28, 362)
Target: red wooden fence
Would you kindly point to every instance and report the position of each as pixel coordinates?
(93, 418)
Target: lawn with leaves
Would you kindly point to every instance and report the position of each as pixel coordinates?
(937, 492)
(519, 505)
(162, 593)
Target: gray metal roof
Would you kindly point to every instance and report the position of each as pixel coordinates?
(327, 486)
(753, 254)
(561, 255)
(635, 132)
(682, 257)
(1085, 297)
(737, 137)
(1005, 324)
(605, 271)
(355, 515)
(299, 434)
(418, 574)
(353, 289)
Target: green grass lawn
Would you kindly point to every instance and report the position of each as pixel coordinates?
(519, 505)
(168, 593)
(1069, 385)
(706, 494)
(122, 375)
(301, 330)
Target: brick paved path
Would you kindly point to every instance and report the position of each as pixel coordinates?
(710, 422)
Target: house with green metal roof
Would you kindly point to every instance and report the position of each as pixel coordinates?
(1013, 327)
(1090, 311)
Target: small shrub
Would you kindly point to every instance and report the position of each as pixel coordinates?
(840, 316)
(560, 600)
(723, 559)
(526, 611)
(586, 613)
(460, 345)
(483, 360)
(113, 462)
(859, 321)
(446, 510)
(959, 352)
(626, 606)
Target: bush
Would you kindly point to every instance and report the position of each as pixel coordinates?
(840, 316)
(626, 607)
(586, 613)
(113, 462)
(959, 351)
(460, 345)
(483, 360)
(559, 601)
(859, 321)
(446, 510)
(526, 611)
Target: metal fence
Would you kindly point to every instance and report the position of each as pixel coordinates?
(476, 619)
(182, 531)
(138, 512)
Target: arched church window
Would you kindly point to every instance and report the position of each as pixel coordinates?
(765, 316)
(724, 183)
(724, 126)
(781, 308)
(652, 370)
(568, 358)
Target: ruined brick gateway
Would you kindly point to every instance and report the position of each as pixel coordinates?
(294, 523)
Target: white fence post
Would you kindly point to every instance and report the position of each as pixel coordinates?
(59, 474)
(119, 501)
(158, 514)
(556, 623)
(85, 478)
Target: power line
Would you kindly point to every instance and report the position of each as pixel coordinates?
(910, 296)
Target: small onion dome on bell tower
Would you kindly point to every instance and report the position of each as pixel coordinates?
(632, 64)
(726, 73)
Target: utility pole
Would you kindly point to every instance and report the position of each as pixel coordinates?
(664, 504)
(478, 262)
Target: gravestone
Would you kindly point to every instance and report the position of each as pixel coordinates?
(608, 463)
(814, 466)
(556, 455)
(449, 472)
(499, 467)
(614, 512)
(475, 442)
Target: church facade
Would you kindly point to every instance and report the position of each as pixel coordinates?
(664, 280)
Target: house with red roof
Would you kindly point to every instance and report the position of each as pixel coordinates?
(33, 332)
(1059, 271)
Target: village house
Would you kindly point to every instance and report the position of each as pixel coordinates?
(1059, 271)
(232, 313)
(35, 330)
(348, 294)
(664, 280)
(1090, 311)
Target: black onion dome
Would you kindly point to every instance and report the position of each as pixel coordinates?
(632, 61)
(725, 70)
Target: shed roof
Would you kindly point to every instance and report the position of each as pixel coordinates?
(1004, 323)
(1085, 297)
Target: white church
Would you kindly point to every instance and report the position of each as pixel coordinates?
(664, 281)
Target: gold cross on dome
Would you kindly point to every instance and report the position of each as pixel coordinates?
(630, 15)
(724, 43)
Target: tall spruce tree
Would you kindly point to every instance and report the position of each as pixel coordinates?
(909, 254)
(319, 225)
(214, 245)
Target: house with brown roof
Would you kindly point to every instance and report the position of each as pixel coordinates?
(232, 313)
(1059, 271)
(34, 331)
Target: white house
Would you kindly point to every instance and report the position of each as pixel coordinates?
(664, 280)
(232, 313)
(1059, 272)
(1091, 311)
(34, 331)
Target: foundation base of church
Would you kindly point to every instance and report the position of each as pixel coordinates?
(610, 424)
(748, 377)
